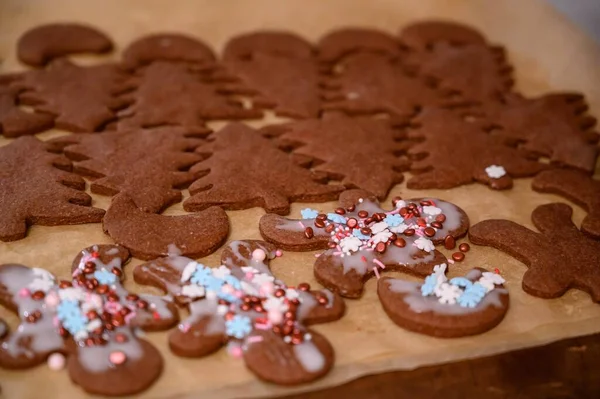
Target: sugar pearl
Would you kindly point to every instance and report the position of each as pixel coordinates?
(117, 357)
(56, 362)
(259, 255)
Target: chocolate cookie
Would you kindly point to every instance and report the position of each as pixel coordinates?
(343, 148)
(172, 47)
(422, 35)
(89, 319)
(445, 308)
(157, 84)
(277, 69)
(41, 44)
(242, 304)
(244, 170)
(370, 83)
(363, 239)
(82, 99)
(554, 126)
(337, 44)
(454, 151)
(34, 191)
(149, 165)
(14, 121)
(577, 187)
(559, 257)
(148, 235)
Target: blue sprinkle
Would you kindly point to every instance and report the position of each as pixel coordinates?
(201, 275)
(75, 323)
(429, 285)
(358, 234)
(461, 282)
(67, 309)
(233, 281)
(238, 326)
(393, 220)
(308, 213)
(335, 218)
(472, 296)
(214, 284)
(105, 277)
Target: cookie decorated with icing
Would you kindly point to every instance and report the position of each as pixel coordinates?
(559, 257)
(43, 43)
(362, 239)
(242, 305)
(88, 320)
(443, 307)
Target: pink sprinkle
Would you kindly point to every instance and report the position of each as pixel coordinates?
(337, 253)
(24, 292)
(317, 255)
(235, 351)
(56, 362)
(497, 271)
(249, 275)
(259, 255)
(255, 338)
(117, 357)
(301, 224)
(419, 233)
(184, 327)
(378, 263)
(363, 258)
(131, 315)
(376, 272)
(278, 253)
(451, 261)
(262, 326)
(155, 315)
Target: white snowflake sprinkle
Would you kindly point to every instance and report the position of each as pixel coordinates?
(379, 227)
(249, 288)
(221, 272)
(424, 244)
(188, 270)
(400, 204)
(292, 294)
(94, 324)
(448, 294)
(382, 236)
(399, 229)
(431, 210)
(222, 310)
(274, 304)
(249, 269)
(350, 244)
(42, 274)
(262, 278)
(193, 291)
(495, 171)
(494, 277)
(39, 284)
(80, 335)
(71, 294)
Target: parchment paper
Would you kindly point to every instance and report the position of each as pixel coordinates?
(548, 53)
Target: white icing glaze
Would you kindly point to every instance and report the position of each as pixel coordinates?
(309, 356)
(113, 251)
(307, 303)
(330, 298)
(298, 225)
(206, 308)
(95, 358)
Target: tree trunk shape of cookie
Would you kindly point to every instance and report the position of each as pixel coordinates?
(364, 240)
(242, 304)
(454, 152)
(149, 165)
(559, 257)
(14, 121)
(173, 94)
(34, 191)
(577, 187)
(461, 306)
(479, 73)
(361, 152)
(82, 99)
(148, 235)
(244, 170)
(277, 69)
(371, 83)
(89, 319)
(554, 126)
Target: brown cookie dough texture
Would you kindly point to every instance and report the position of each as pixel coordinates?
(559, 257)
(359, 152)
(245, 170)
(109, 359)
(338, 44)
(421, 35)
(405, 304)
(41, 44)
(453, 151)
(277, 69)
(284, 352)
(577, 187)
(393, 246)
(14, 121)
(37, 187)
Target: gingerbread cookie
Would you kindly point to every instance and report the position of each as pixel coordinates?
(172, 47)
(241, 304)
(43, 43)
(337, 44)
(554, 126)
(343, 148)
(363, 239)
(14, 121)
(443, 307)
(148, 235)
(89, 319)
(454, 151)
(157, 84)
(82, 99)
(559, 257)
(149, 165)
(278, 69)
(577, 187)
(370, 83)
(422, 35)
(244, 170)
(34, 191)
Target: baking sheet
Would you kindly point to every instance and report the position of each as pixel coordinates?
(548, 53)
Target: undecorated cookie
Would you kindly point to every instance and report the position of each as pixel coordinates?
(90, 320)
(242, 305)
(14, 121)
(577, 187)
(363, 240)
(43, 43)
(33, 190)
(339, 43)
(421, 35)
(443, 307)
(559, 257)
